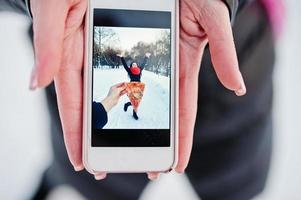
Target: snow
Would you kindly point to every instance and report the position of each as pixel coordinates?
(153, 111)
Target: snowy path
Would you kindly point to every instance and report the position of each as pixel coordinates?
(154, 108)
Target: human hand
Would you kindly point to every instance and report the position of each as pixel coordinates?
(203, 21)
(148, 54)
(121, 54)
(113, 96)
(58, 27)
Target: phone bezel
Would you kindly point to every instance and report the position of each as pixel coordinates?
(125, 159)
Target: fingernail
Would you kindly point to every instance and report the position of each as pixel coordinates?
(78, 168)
(153, 177)
(33, 80)
(180, 171)
(241, 91)
(99, 177)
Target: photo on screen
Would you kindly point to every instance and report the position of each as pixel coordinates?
(138, 58)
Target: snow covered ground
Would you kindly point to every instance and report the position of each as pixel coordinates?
(153, 110)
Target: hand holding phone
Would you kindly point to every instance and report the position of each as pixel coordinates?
(203, 22)
(59, 52)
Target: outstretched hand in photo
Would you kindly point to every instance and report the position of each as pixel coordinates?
(100, 109)
(59, 57)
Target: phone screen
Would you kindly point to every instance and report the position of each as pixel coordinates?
(131, 105)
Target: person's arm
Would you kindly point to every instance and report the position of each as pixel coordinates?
(146, 57)
(124, 64)
(101, 110)
(143, 63)
(100, 116)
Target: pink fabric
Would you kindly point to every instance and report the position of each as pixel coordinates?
(276, 13)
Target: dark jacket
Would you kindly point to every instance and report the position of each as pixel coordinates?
(134, 77)
(233, 136)
(99, 115)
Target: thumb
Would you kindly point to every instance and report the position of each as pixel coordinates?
(222, 49)
(48, 27)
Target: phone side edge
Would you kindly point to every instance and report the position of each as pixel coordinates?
(176, 82)
(86, 95)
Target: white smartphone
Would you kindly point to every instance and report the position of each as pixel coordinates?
(130, 120)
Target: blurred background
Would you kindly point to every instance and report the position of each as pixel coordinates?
(25, 147)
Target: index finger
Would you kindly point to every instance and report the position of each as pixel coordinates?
(48, 26)
(118, 85)
(222, 49)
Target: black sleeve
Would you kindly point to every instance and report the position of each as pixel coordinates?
(14, 5)
(99, 115)
(125, 65)
(143, 63)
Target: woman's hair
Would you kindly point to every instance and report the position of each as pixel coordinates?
(133, 63)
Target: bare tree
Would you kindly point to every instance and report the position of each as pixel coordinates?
(104, 38)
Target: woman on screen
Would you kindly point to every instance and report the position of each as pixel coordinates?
(134, 72)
